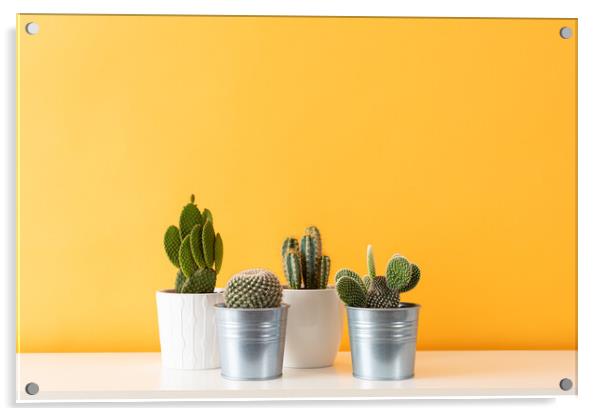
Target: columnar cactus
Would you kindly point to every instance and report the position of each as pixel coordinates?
(253, 288)
(195, 250)
(377, 291)
(304, 265)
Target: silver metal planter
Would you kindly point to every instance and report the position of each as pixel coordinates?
(383, 341)
(251, 341)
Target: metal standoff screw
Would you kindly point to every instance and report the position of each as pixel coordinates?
(566, 384)
(32, 389)
(32, 28)
(566, 32)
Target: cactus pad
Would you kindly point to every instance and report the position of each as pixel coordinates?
(351, 292)
(292, 269)
(187, 263)
(202, 281)
(208, 237)
(371, 265)
(189, 218)
(413, 280)
(207, 216)
(253, 288)
(367, 280)
(196, 246)
(350, 273)
(399, 273)
(218, 248)
(324, 271)
(172, 242)
(180, 280)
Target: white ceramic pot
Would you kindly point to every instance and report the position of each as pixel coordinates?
(187, 329)
(315, 323)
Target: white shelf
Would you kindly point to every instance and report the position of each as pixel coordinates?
(139, 376)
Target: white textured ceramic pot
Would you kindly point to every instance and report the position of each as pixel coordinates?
(315, 323)
(187, 329)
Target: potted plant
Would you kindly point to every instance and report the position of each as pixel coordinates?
(315, 316)
(382, 331)
(251, 326)
(186, 315)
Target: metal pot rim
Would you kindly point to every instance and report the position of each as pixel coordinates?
(222, 305)
(217, 290)
(403, 306)
(326, 289)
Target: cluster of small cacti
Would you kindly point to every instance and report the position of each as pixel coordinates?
(305, 266)
(195, 250)
(253, 288)
(374, 291)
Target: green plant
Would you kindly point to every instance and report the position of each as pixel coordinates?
(253, 288)
(377, 291)
(304, 265)
(195, 250)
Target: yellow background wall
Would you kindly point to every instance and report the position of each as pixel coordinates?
(451, 141)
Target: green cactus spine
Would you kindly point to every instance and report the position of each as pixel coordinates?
(253, 288)
(324, 271)
(304, 265)
(309, 260)
(292, 269)
(377, 291)
(195, 250)
(289, 244)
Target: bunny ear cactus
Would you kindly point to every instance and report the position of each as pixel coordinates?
(377, 291)
(304, 265)
(195, 250)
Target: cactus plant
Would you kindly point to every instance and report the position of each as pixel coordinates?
(195, 250)
(253, 288)
(304, 265)
(377, 291)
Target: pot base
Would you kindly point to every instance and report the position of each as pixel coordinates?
(251, 379)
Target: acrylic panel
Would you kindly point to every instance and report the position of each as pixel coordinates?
(451, 141)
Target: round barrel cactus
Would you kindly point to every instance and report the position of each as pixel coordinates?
(253, 288)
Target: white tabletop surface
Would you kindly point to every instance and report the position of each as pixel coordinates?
(139, 376)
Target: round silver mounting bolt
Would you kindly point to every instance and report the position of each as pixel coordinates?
(566, 32)
(566, 384)
(32, 28)
(32, 389)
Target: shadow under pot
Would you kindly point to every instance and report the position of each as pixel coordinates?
(383, 341)
(251, 341)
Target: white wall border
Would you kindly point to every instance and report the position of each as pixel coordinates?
(590, 157)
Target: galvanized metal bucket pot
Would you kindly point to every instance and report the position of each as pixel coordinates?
(383, 341)
(251, 341)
